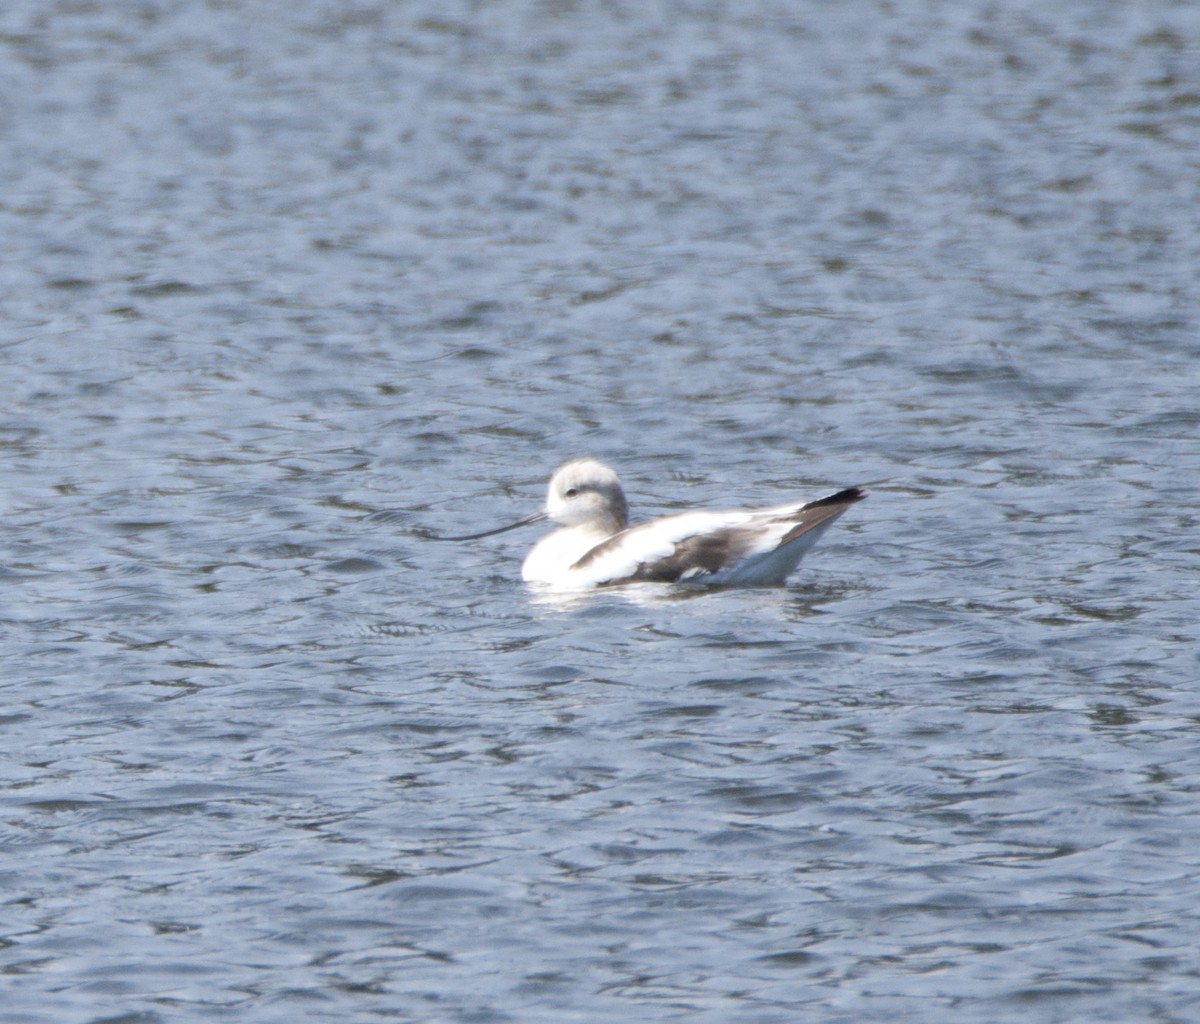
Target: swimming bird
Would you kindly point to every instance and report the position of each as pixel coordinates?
(595, 547)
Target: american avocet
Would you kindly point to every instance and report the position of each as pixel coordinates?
(595, 548)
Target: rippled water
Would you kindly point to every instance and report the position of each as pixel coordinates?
(288, 285)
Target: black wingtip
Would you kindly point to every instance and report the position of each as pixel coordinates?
(844, 497)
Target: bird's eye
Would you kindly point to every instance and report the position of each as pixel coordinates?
(570, 492)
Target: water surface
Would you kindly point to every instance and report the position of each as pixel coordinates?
(289, 285)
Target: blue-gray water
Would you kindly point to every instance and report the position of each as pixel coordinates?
(286, 285)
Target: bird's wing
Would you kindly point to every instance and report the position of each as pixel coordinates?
(710, 545)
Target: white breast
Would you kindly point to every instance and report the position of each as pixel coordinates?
(551, 558)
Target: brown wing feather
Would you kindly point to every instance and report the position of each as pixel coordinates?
(702, 552)
(708, 553)
(816, 512)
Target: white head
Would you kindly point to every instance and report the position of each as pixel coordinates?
(582, 491)
(586, 491)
